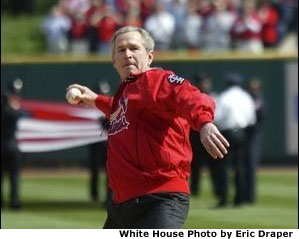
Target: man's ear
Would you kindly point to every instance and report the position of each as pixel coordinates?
(113, 61)
(150, 57)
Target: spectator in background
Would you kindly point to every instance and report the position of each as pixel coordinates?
(246, 31)
(178, 10)
(10, 153)
(121, 6)
(200, 156)
(161, 25)
(73, 7)
(55, 28)
(192, 27)
(146, 9)
(78, 34)
(288, 25)
(254, 140)
(204, 8)
(235, 5)
(287, 16)
(269, 19)
(217, 27)
(132, 19)
(235, 112)
(132, 16)
(93, 15)
(106, 27)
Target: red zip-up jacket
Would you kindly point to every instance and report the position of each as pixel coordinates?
(148, 143)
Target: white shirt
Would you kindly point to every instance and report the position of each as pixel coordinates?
(193, 24)
(216, 33)
(234, 109)
(161, 26)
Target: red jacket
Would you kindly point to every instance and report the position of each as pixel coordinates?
(148, 144)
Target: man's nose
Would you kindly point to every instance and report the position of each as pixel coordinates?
(128, 53)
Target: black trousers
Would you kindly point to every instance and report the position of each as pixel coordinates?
(252, 158)
(235, 158)
(10, 164)
(201, 159)
(97, 161)
(161, 210)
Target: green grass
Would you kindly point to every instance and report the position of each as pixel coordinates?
(21, 35)
(61, 201)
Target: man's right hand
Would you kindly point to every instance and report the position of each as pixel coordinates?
(87, 98)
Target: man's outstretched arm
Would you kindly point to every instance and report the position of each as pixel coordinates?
(92, 99)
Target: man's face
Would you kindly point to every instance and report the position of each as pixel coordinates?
(130, 55)
(205, 86)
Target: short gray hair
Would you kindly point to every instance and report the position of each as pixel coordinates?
(148, 41)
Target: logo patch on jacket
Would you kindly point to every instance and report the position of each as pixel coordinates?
(118, 120)
(174, 79)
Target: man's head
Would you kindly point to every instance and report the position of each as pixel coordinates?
(254, 86)
(15, 87)
(132, 51)
(204, 82)
(233, 79)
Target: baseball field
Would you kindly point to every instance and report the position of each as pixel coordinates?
(59, 199)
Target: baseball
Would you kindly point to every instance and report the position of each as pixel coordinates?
(71, 96)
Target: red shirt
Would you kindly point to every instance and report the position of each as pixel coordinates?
(269, 30)
(247, 29)
(146, 9)
(106, 28)
(93, 10)
(148, 144)
(78, 29)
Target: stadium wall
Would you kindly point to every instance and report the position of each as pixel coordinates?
(47, 78)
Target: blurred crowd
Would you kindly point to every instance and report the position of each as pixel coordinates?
(87, 26)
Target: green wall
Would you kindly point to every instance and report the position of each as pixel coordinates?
(47, 81)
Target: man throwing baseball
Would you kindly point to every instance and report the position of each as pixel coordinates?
(149, 152)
